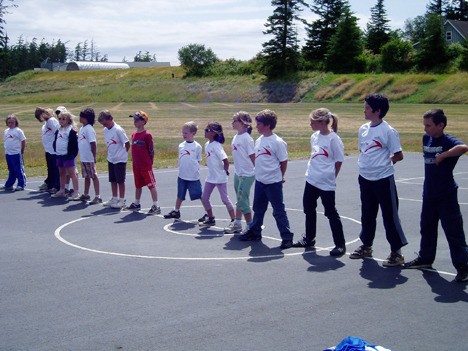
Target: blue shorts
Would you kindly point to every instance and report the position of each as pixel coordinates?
(62, 162)
(193, 186)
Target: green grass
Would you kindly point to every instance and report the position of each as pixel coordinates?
(166, 120)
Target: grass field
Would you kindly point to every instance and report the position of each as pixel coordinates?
(166, 120)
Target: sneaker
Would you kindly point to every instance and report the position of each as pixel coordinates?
(286, 244)
(73, 197)
(19, 188)
(394, 259)
(118, 205)
(208, 222)
(248, 235)
(361, 252)
(304, 243)
(7, 188)
(43, 187)
(154, 210)
(110, 202)
(233, 227)
(417, 263)
(95, 201)
(133, 207)
(85, 197)
(52, 190)
(69, 192)
(58, 194)
(173, 214)
(462, 275)
(202, 219)
(338, 251)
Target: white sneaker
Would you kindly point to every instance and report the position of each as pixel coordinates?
(110, 202)
(233, 227)
(119, 204)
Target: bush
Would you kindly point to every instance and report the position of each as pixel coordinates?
(396, 56)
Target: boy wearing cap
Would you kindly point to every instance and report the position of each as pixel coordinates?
(117, 157)
(143, 157)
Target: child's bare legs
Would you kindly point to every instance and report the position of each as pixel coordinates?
(63, 179)
(87, 184)
(114, 190)
(96, 186)
(71, 172)
(121, 187)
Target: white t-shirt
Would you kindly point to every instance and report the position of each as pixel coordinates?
(215, 155)
(376, 144)
(12, 140)
(48, 134)
(190, 154)
(63, 135)
(115, 140)
(86, 136)
(269, 152)
(326, 150)
(242, 147)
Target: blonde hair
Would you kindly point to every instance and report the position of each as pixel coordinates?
(244, 118)
(324, 114)
(69, 117)
(191, 126)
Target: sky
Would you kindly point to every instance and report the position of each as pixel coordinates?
(121, 29)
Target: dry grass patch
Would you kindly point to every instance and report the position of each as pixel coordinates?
(336, 88)
(368, 86)
(408, 85)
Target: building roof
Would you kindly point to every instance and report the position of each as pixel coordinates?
(460, 26)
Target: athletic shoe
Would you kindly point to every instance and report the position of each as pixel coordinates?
(394, 259)
(76, 197)
(133, 207)
(58, 194)
(7, 188)
(96, 200)
(43, 187)
(69, 192)
(110, 202)
(173, 214)
(154, 210)
(338, 251)
(203, 218)
(19, 188)
(85, 197)
(248, 235)
(208, 222)
(118, 205)
(361, 252)
(52, 190)
(304, 243)
(233, 227)
(462, 275)
(417, 263)
(286, 244)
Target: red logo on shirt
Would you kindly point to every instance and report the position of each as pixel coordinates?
(208, 154)
(266, 152)
(323, 153)
(234, 148)
(376, 144)
(185, 152)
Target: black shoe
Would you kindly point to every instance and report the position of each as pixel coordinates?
(249, 236)
(208, 222)
(417, 263)
(462, 275)
(202, 219)
(286, 244)
(338, 251)
(173, 214)
(304, 243)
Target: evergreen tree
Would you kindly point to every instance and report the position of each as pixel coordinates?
(281, 53)
(320, 31)
(377, 28)
(345, 46)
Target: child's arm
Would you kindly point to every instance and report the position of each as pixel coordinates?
(93, 149)
(283, 167)
(397, 156)
(23, 146)
(226, 165)
(455, 151)
(252, 158)
(127, 146)
(337, 168)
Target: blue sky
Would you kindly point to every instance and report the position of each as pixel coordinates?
(120, 29)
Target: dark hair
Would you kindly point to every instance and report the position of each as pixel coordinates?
(437, 115)
(378, 102)
(14, 118)
(105, 116)
(218, 130)
(88, 114)
(267, 117)
(244, 118)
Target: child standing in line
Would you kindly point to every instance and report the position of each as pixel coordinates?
(440, 196)
(69, 192)
(66, 147)
(190, 155)
(117, 157)
(380, 149)
(218, 172)
(87, 146)
(271, 162)
(243, 155)
(143, 158)
(327, 155)
(49, 127)
(15, 144)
